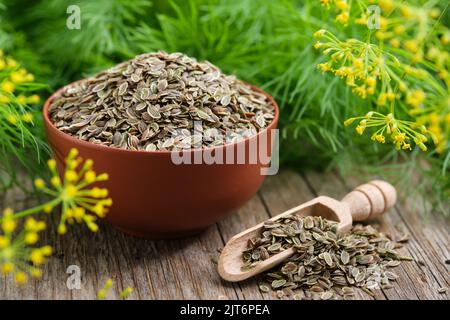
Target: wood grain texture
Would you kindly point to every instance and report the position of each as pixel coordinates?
(185, 268)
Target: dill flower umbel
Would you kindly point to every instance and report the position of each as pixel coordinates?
(17, 254)
(79, 203)
(402, 133)
(14, 81)
(342, 8)
(385, 82)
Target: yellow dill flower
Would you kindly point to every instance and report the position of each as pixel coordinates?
(383, 22)
(343, 72)
(8, 87)
(399, 30)
(39, 183)
(33, 99)
(8, 222)
(324, 67)
(361, 91)
(55, 181)
(4, 99)
(390, 96)
(402, 87)
(125, 293)
(101, 295)
(18, 76)
(445, 39)
(7, 267)
(38, 256)
(380, 35)
(406, 11)
(360, 130)
(74, 194)
(422, 146)
(341, 4)
(90, 176)
(361, 20)
(319, 33)
(370, 90)
(435, 13)
(406, 146)
(29, 77)
(4, 241)
(71, 176)
(20, 277)
(343, 17)
(394, 42)
(31, 238)
(380, 138)
(11, 62)
(401, 137)
(21, 99)
(411, 45)
(325, 2)
(27, 117)
(350, 81)
(35, 272)
(386, 5)
(415, 98)
(17, 256)
(371, 81)
(12, 119)
(358, 63)
(47, 208)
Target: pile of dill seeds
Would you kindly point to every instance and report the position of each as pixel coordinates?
(161, 101)
(326, 265)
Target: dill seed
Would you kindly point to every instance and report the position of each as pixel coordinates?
(144, 103)
(326, 265)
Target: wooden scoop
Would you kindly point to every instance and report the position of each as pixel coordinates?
(364, 203)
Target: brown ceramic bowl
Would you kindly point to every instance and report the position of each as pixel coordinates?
(155, 198)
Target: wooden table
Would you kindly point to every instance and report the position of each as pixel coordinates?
(185, 268)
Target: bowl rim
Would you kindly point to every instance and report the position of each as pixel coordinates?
(51, 126)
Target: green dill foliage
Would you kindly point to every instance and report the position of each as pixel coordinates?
(102, 40)
(21, 135)
(269, 43)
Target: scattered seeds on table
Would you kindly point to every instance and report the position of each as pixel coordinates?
(443, 290)
(326, 265)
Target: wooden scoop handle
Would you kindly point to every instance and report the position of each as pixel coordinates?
(370, 200)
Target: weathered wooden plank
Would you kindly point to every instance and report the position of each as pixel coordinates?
(430, 244)
(170, 269)
(414, 281)
(183, 269)
(424, 279)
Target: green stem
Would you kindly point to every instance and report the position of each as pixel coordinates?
(33, 210)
